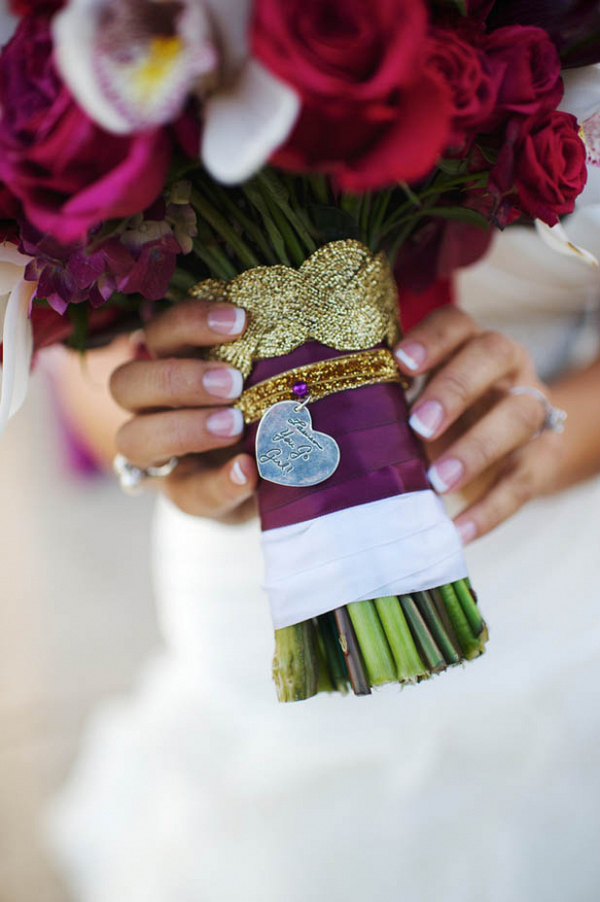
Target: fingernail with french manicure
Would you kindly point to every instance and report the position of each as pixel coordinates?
(427, 418)
(227, 320)
(225, 423)
(412, 355)
(445, 474)
(467, 531)
(237, 474)
(223, 382)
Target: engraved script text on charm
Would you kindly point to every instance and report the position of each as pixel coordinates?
(289, 451)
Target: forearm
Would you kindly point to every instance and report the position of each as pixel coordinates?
(579, 394)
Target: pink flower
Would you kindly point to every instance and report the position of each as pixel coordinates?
(68, 173)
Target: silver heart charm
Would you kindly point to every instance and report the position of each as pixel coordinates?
(289, 451)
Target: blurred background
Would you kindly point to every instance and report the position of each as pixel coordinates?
(76, 620)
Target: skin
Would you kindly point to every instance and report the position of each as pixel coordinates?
(490, 433)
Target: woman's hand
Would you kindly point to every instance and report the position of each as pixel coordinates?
(182, 407)
(471, 424)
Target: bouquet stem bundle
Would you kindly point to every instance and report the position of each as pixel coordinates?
(282, 219)
(396, 639)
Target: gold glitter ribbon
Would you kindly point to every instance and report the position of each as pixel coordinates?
(342, 296)
(323, 378)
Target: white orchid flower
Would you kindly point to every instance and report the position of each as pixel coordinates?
(17, 336)
(131, 65)
(582, 99)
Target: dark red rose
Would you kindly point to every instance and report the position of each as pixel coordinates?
(465, 71)
(550, 166)
(573, 25)
(415, 306)
(67, 172)
(526, 66)
(372, 113)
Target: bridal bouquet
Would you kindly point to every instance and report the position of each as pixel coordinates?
(305, 160)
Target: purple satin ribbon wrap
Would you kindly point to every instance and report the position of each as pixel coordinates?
(380, 456)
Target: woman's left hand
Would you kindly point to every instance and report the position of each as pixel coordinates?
(472, 424)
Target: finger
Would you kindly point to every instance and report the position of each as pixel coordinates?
(509, 424)
(434, 339)
(506, 496)
(153, 438)
(485, 360)
(192, 324)
(174, 382)
(215, 492)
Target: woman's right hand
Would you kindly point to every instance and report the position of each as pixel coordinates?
(181, 407)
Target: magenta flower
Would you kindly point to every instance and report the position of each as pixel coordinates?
(68, 173)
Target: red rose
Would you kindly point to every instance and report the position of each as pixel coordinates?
(67, 172)
(550, 166)
(371, 113)
(464, 69)
(526, 66)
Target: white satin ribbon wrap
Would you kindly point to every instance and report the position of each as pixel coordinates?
(402, 544)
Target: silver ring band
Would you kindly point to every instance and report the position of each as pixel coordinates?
(132, 478)
(554, 420)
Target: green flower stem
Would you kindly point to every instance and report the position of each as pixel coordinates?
(335, 659)
(352, 654)
(276, 191)
(320, 189)
(470, 644)
(442, 613)
(436, 627)
(292, 243)
(256, 199)
(433, 657)
(373, 643)
(379, 209)
(350, 204)
(219, 265)
(324, 682)
(467, 603)
(409, 665)
(295, 662)
(218, 222)
(365, 209)
(253, 230)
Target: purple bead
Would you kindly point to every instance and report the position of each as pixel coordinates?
(300, 389)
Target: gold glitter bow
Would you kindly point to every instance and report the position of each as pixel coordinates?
(342, 296)
(323, 378)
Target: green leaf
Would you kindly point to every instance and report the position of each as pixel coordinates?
(460, 214)
(489, 154)
(451, 167)
(332, 224)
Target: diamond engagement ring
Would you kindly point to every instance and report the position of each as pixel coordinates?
(554, 421)
(132, 478)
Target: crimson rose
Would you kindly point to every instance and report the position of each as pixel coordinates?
(465, 71)
(372, 113)
(550, 166)
(68, 173)
(526, 66)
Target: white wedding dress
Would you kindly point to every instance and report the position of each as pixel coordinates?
(481, 785)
